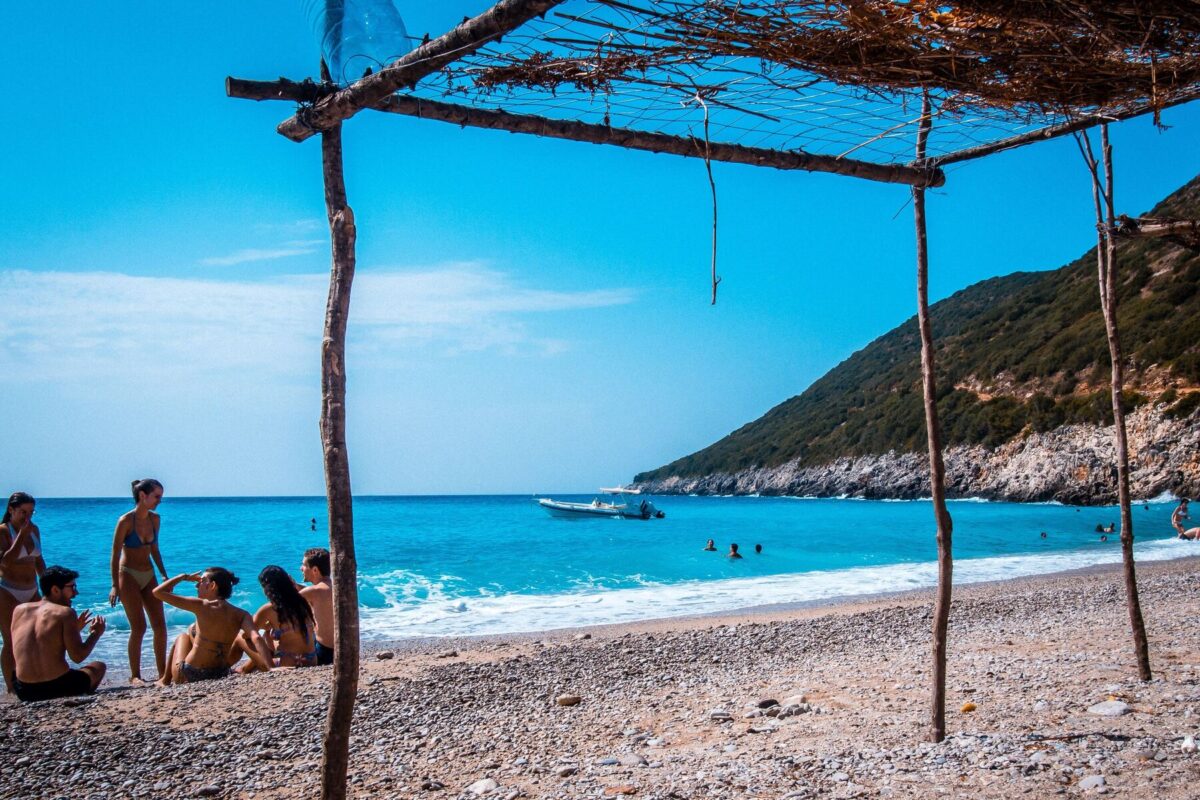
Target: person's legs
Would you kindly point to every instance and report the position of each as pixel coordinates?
(131, 599)
(183, 646)
(95, 672)
(8, 662)
(158, 624)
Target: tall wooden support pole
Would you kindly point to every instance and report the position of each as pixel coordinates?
(937, 469)
(1106, 222)
(337, 473)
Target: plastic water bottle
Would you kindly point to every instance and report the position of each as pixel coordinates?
(357, 35)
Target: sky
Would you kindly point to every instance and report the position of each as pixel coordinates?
(529, 316)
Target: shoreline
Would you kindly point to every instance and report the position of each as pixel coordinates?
(773, 612)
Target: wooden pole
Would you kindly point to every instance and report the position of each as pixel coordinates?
(1106, 258)
(1054, 131)
(937, 469)
(463, 40)
(335, 760)
(599, 134)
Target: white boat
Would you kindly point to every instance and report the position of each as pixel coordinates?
(618, 507)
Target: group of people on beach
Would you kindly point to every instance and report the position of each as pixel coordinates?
(41, 629)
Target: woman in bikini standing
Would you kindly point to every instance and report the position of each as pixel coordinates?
(21, 565)
(287, 619)
(135, 544)
(211, 646)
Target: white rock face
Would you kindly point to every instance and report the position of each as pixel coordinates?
(1074, 464)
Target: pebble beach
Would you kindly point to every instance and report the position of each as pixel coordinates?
(826, 701)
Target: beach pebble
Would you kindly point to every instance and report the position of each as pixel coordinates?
(448, 654)
(1109, 708)
(608, 762)
(384, 655)
(1091, 782)
(568, 700)
(967, 708)
(767, 703)
(566, 771)
(632, 760)
(211, 790)
(582, 636)
(613, 791)
(432, 786)
(483, 786)
(720, 715)
(1188, 745)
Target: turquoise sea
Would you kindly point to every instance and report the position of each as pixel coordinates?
(441, 566)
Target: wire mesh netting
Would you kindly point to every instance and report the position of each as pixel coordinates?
(833, 78)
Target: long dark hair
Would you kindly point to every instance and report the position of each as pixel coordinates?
(281, 591)
(17, 499)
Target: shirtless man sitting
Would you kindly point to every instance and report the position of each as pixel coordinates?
(45, 632)
(315, 569)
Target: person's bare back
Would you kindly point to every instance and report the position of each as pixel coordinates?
(315, 569)
(320, 597)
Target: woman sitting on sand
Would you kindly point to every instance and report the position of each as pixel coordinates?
(210, 646)
(134, 557)
(287, 619)
(21, 564)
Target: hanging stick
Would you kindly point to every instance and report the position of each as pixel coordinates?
(712, 185)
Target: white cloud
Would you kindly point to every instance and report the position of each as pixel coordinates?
(250, 254)
(76, 325)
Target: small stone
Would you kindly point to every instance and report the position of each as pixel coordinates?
(612, 791)
(1091, 782)
(384, 655)
(568, 699)
(432, 786)
(483, 786)
(608, 762)
(1109, 708)
(581, 636)
(448, 654)
(767, 703)
(840, 777)
(566, 772)
(968, 707)
(720, 715)
(632, 760)
(212, 790)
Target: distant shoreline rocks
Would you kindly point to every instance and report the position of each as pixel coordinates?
(1073, 465)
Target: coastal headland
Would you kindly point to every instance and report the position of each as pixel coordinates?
(826, 700)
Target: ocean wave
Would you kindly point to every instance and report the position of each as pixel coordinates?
(514, 613)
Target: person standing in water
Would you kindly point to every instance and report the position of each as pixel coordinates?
(1178, 516)
(710, 546)
(733, 553)
(135, 554)
(21, 564)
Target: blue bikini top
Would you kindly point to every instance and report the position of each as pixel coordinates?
(134, 542)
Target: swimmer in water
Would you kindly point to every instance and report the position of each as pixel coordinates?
(733, 553)
(758, 549)
(710, 546)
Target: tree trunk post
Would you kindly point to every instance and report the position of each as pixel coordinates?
(335, 760)
(937, 469)
(1108, 300)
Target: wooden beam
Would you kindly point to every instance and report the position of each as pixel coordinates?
(602, 134)
(1054, 131)
(1139, 227)
(463, 40)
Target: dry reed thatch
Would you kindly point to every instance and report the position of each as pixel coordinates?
(1026, 57)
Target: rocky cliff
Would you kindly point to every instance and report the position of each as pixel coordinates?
(1072, 464)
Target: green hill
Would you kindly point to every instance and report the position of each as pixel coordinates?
(1020, 353)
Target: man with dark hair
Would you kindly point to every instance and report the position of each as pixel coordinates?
(315, 569)
(45, 633)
